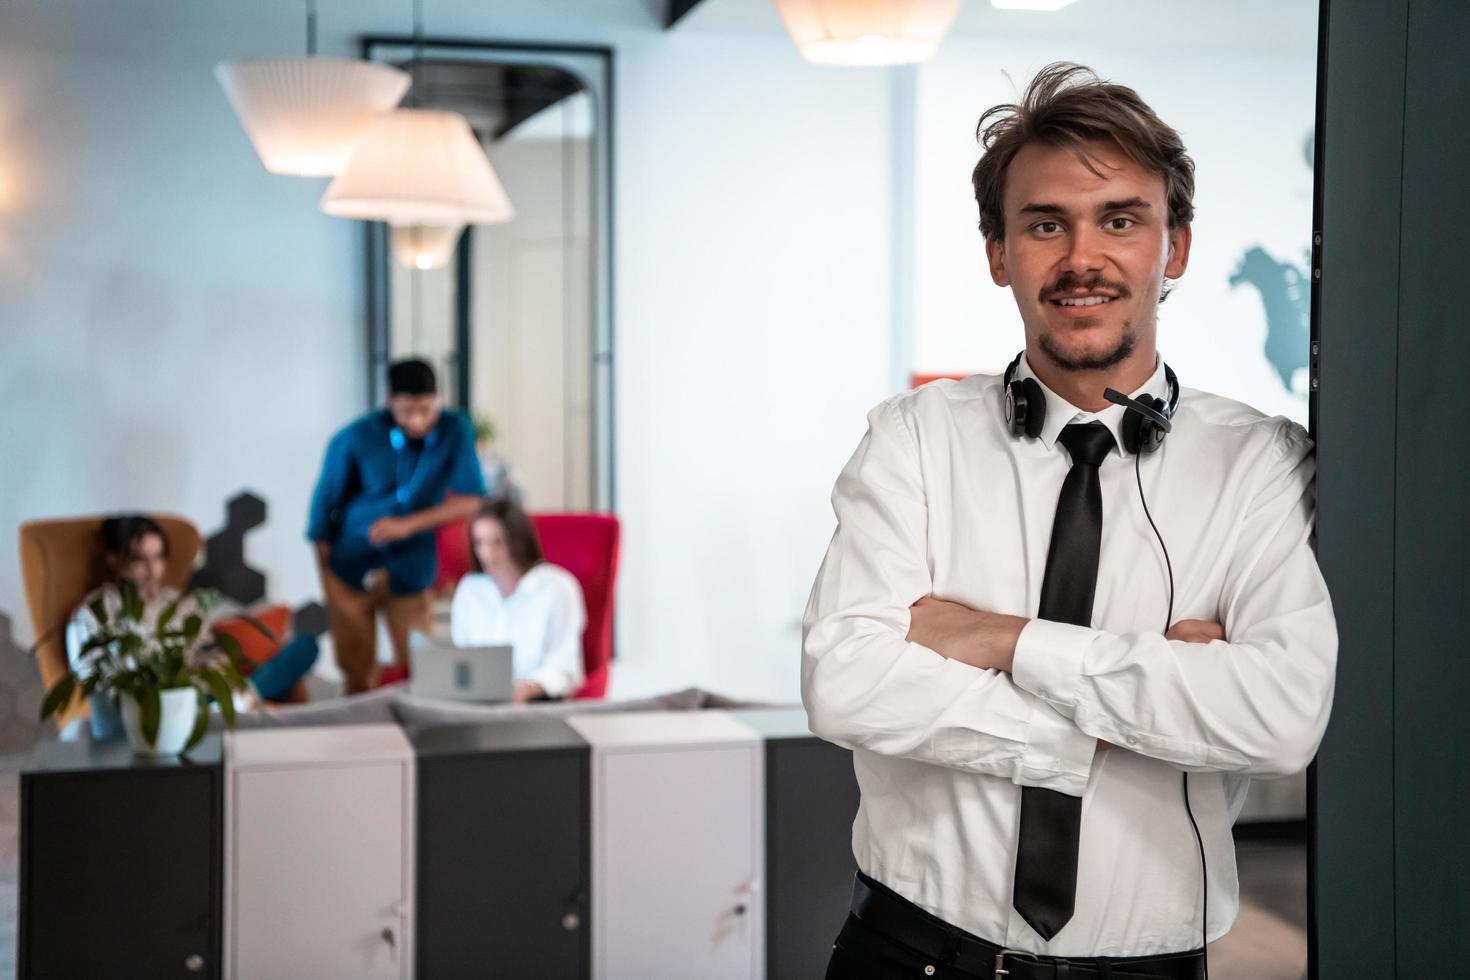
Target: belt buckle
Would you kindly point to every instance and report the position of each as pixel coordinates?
(1000, 960)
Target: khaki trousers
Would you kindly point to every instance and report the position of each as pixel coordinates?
(353, 615)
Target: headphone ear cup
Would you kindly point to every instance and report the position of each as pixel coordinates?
(1035, 406)
(1025, 408)
(1142, 435)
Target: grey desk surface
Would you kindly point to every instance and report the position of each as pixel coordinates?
(776, 723)
(60, 757)
(510, 735)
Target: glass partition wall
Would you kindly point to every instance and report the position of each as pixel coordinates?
(517, 320)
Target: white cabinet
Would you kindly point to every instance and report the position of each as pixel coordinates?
(319, 853)
(677, 846)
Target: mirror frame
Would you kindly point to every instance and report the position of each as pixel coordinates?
(593, 65)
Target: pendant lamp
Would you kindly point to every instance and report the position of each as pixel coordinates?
(418, 167)
(303, 114)
(424, 246)
(867, 32)
(1031, 4)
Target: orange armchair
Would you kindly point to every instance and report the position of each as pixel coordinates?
(60, 562)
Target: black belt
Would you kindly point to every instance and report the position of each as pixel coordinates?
(885, 911)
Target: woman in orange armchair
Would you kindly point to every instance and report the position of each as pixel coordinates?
(136, 550)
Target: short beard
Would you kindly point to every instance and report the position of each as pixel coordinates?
(1090, 362)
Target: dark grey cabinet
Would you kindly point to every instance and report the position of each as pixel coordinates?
(811, 800)
(503, 851)
(120, 863)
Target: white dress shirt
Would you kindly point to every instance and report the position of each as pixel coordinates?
(941, 499)
(542, 620)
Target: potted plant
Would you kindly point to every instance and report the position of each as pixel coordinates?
(492, 465)
(160, 677)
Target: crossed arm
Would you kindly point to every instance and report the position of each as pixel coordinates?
(890, 669)
(988, 640)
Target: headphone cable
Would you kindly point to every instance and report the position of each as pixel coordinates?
(1168, 619)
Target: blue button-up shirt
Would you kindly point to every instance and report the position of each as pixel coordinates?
(373, 471)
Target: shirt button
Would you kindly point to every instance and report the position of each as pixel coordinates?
(929, 970)
(1132, 740)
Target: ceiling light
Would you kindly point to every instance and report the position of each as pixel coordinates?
(1031, 4)
(303, 114)
(418, 166)
(867, 32)
(424, 246)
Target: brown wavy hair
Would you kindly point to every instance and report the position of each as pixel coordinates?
(520, 533)
(1067, 105)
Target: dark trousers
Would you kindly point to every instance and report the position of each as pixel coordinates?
(887, 937)
(862, 954)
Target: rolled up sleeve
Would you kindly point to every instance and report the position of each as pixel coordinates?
(325, 516)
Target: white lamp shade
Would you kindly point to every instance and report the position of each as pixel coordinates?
(1031, 4)
(424, 246)
(303, 115)
(418, 166)
(867, 32)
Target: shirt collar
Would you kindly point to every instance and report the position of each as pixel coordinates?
(1060, 412)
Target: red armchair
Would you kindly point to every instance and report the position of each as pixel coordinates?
(585, 545)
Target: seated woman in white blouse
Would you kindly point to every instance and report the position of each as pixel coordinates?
(515, 596)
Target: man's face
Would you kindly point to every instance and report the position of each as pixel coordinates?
(416, 415)
(1086, 253)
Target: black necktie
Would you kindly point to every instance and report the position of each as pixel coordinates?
(1046, 855)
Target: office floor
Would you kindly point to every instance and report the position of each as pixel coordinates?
(1269, 941)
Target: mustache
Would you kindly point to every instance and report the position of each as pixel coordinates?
(1069, 283)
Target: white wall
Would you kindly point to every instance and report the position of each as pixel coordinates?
(752, 338)
(1243, 115)
(178, 324)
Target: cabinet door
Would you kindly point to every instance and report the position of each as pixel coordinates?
(676, 849)
(811, 800)
(120, 875)
(319, 872)
(502, 866)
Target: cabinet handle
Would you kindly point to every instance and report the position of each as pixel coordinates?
(194, 963)
(389, 938)
(571, 922)
(740, 909)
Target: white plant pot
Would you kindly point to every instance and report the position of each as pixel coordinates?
(178, 710)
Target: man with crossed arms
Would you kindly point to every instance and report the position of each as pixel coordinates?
(996, 632)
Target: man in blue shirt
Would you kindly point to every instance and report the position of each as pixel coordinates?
(380, 496)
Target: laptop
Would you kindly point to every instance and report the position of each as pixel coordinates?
(443, 670)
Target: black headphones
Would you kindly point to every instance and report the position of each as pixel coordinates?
(404, 488)
(1145, 423)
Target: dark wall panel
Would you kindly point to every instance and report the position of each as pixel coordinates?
(1361, 148)
(1431, 676)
